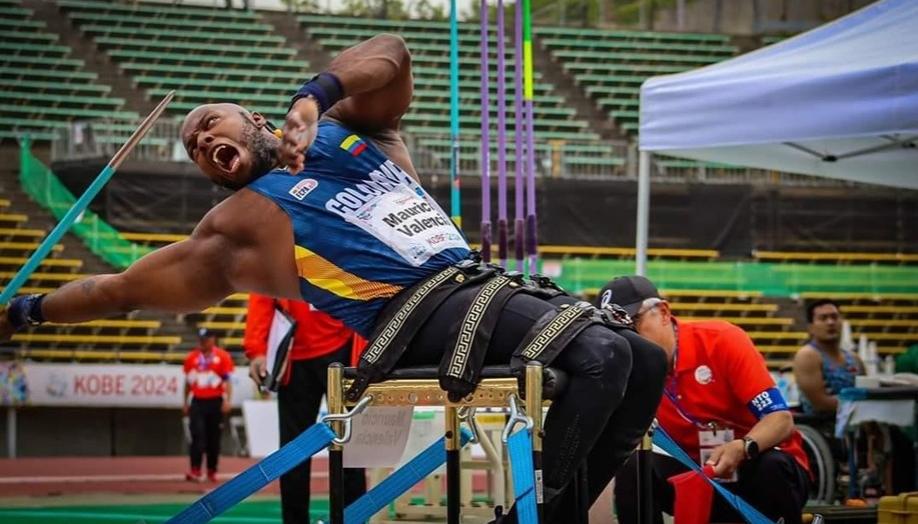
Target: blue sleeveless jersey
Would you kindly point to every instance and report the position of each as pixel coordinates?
(363, 229)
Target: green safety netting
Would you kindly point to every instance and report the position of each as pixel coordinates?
(40, 183)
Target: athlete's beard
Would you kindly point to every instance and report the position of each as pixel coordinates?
(262, 148)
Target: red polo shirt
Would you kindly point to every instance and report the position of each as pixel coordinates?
(719, 377)
(317, 334)
(207, 374)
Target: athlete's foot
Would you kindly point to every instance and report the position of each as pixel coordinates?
(194, 475)
(212, 475)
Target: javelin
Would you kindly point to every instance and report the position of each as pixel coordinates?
(80, 205)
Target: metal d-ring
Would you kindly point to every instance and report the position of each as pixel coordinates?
(359, 408)
(516, 417)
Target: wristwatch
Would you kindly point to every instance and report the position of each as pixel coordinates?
(750, 448)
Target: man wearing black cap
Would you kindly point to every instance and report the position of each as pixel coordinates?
(208, 370)
(721, 406)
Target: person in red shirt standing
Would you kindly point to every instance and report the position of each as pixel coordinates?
(207, 377)
(721, 406)
(319, 340)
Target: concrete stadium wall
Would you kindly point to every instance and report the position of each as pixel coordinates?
(99, 432)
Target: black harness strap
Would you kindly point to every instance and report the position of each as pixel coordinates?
(460, 369)
(401, 321)
(551, 334)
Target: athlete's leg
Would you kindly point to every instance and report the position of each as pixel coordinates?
(597, 362)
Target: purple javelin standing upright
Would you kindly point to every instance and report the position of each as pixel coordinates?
(519, 186)
(501, 140)
(485, 140)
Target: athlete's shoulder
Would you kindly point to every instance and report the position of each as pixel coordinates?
(240, 218)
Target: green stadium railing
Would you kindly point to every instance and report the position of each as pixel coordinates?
(43, 186)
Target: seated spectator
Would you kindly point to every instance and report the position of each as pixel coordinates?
(821, 367)
(719, 390)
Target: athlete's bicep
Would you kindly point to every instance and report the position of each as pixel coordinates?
(186, 276)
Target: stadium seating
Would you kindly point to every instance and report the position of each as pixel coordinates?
(611, 65)
(206, 55)
(43, 83)
(428, 118)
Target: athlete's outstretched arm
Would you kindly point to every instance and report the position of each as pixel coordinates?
(221, 256)
(367, 87)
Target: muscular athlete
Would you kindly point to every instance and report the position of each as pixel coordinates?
(347, 227)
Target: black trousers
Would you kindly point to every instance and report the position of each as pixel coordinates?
(206, 422)
(298, 406)
(773, 483)
(616, 381)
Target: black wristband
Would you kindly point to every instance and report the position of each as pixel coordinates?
(325, 88)
(25, 311)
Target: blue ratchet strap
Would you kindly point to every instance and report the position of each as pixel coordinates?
(309, 443)
(400, 481)
(519, 446)
(749, 514)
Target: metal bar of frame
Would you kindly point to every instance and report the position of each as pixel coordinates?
(335, 399)
(453, 466)
(534, 411)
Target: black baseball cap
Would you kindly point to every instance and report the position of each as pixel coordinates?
(628, 292)
(205, 333)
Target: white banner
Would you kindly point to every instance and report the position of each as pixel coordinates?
(116, 385)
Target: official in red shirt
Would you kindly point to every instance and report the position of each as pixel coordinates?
(319, 340)
(718, 393)
(208, 370)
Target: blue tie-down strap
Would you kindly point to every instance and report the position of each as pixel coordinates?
(749, 514)
(519, 446)
(400, 481)
(310, 442)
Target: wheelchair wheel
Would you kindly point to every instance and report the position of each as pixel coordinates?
(822, 465)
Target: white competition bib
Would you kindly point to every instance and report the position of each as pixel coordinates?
(410, 224)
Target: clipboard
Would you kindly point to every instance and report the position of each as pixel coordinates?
(280, 341)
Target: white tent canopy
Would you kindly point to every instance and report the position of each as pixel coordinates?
(839, 101)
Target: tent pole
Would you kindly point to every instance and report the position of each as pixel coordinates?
(643, 213)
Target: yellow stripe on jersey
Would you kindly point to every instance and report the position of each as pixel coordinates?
(325, 275)
(349, 141)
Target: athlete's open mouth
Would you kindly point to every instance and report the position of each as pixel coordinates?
(226, 157)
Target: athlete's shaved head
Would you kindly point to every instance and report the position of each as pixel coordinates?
(231, 145)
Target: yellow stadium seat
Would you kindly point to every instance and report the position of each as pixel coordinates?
(118, 323)
(58, 277)
(810, 256)
(51, 262)
(746, 321)
(13, 217)
(715, 306)
(21, 232)
(153, 238)
(27, 246)
(230, 326)
(842, 296)
(143, 340)
(224, 310)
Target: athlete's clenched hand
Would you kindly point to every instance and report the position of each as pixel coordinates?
(300, 129)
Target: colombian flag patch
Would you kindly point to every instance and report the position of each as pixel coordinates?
(353, 145)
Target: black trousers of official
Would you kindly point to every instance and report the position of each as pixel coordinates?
(615, 384)
(774, 484)
(206, 421)
(298, 405)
